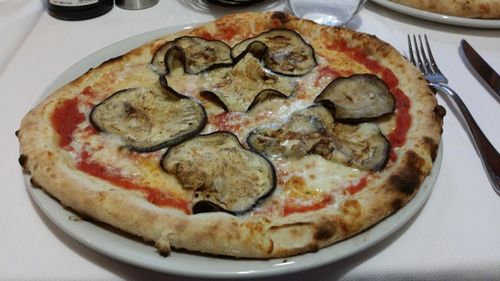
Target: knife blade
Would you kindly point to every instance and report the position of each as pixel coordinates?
(487, 73)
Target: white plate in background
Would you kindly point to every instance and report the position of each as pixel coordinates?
(459, 21)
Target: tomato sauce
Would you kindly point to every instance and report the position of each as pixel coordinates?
(355, 188)
(89, 92)
(65, 120)
(89, 131)
(292, 206)
(227, 121)
(328, 72)
(112, 175)
(205, 35)
(403, 119)
(226, 32)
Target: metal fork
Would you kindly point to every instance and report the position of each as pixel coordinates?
(424, 61)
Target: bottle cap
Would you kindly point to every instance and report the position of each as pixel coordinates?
(135, 4)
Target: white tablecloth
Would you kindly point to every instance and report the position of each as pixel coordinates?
(16, 21)
(456, 236)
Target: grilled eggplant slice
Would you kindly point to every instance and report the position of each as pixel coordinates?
(256, 48)
(158, 60)
(287, 53)
(360, 146)
(236, 87)
(196, 55)
(295, 138)
(222, 174)
(169, 90)
(358, 98)
(148, 119)
(175, 60)
(264, 96)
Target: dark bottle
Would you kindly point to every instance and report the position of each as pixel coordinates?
(78, 9)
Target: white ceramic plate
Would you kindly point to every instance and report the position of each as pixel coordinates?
(120, 246)
(460, 21)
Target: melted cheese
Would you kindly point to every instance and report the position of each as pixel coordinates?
(316, 173)
(108, 150)
(313, 171)
(308, 178)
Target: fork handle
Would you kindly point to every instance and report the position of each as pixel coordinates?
(489, 155)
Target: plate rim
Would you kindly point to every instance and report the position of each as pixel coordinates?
(218, 267)
(441, 18)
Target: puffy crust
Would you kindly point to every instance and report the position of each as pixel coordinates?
(255, 236)
(486, 9)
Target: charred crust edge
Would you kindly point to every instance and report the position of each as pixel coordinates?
(111, 60)
(325, 230)
(34, 183)
(397, 204)
(439, 111)
(432, 146)
(408, 177)
(23, 159)
(282, 17)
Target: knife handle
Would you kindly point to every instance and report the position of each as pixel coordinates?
(487, 152)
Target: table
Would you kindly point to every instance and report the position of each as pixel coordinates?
(456, 235)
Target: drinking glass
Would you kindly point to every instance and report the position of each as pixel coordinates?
(328, 12)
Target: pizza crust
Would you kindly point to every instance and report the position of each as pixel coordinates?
(481, 9)
(249, 236)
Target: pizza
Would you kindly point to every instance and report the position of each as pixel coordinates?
(258, 135)
(481, 9)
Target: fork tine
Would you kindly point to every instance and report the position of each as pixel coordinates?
(419, 54)
(424, 55)
(433, 64)
(410, 48)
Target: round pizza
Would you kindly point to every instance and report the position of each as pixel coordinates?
(481, 9)
(257, 135)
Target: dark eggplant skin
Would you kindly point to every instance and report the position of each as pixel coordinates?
(345, 147)
(211, 96)
(203, 205)
(169, 142)
(174, 55)
(256, 48)
(169, 90)
(158, 59)
(235, 88)
(359, 105)
(266, 95)
(313, 131)
(273, 59)
(175, 50)
(387, 152)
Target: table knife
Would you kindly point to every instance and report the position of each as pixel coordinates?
(487, 73)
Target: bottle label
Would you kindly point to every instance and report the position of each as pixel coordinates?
(72, 3)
